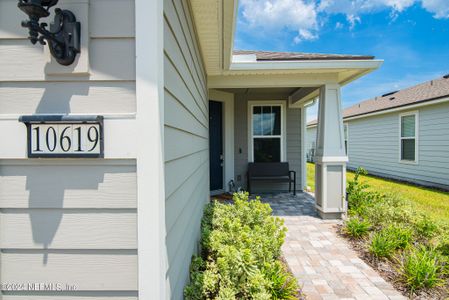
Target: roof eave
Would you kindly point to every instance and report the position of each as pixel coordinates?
(371, 64)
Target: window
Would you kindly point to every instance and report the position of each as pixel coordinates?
(408, 137)
(345, 126)
(266, 135)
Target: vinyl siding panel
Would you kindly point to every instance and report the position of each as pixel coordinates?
(70, 221)
(186, 137)
(311, 142)
(374, 145)
(293, 144)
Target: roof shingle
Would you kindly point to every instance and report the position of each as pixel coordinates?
(292, 56)
(427, 91)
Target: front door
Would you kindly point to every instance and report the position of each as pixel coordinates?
(216, 145)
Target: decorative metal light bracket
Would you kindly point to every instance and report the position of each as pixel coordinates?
(63, 38)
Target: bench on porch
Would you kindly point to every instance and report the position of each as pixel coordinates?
(271, 171)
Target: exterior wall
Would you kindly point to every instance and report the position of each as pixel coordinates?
(374, 145)
(69, 221)
(311, 142)
(293, 143)
(186, 143)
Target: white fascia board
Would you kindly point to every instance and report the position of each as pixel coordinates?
(306, 65)
(228, 57)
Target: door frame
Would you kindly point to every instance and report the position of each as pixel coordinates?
(228, 136)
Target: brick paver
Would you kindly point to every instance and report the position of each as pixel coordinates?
(324, 264)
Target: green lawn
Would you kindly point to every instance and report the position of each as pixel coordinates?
(434, 202)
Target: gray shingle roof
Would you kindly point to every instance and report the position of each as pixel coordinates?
(423, 92)
(289, 56)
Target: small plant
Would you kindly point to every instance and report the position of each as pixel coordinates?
(283, 284)
(443, 245)
(356, 189)
(401, 235)
(422, 268)
(386, 241)
(425, 227)
(382, 245)
(357, 228)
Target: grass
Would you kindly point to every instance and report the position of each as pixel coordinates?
(433, 202)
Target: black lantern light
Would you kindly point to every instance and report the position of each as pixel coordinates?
(63, 38)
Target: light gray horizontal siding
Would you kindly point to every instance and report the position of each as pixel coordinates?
(293, 144)
(374, 145)
(186, 136)
(311, 134)
(71, 221)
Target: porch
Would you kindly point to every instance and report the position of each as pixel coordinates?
(267, 124)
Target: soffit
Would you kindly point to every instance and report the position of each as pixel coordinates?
(215, 22)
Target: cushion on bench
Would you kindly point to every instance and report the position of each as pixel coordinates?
(271, 169)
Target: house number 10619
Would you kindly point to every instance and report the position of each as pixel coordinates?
(75, 139)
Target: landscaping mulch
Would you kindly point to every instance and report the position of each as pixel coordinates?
(388, 271)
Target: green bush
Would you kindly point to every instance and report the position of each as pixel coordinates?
(422, 268)
(356, 227)
(241, 245)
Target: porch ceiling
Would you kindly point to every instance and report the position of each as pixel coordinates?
(293, 94)
(279, 93)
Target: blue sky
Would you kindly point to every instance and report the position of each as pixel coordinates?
(412, 37)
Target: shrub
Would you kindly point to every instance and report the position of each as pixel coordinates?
(386, 241)
(283, 284)
(356, 190)
(382, 245)
(357, 228)
(241, 245)
(422, 268)
(425, 227)
(443, 245)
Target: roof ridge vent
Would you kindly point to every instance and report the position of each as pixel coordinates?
(446, 76)
(390, 93)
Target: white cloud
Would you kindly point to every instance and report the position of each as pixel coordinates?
(357, 7)
(275, 15)
(439, 8)
(306, 17)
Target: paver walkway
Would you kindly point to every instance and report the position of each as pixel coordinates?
(323, 262)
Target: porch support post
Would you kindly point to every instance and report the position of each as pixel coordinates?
(330, 156)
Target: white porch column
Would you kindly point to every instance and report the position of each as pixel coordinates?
(330, 156)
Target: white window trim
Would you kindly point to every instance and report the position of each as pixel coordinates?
(283, 136)
(416, 114)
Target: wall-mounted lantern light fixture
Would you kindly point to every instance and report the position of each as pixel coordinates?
(63, 38)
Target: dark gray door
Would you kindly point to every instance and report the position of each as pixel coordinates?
(216, 145)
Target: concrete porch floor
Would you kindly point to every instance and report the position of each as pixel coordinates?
(323, 262)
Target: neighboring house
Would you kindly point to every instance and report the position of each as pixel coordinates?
(402, 135)
(183, 115)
